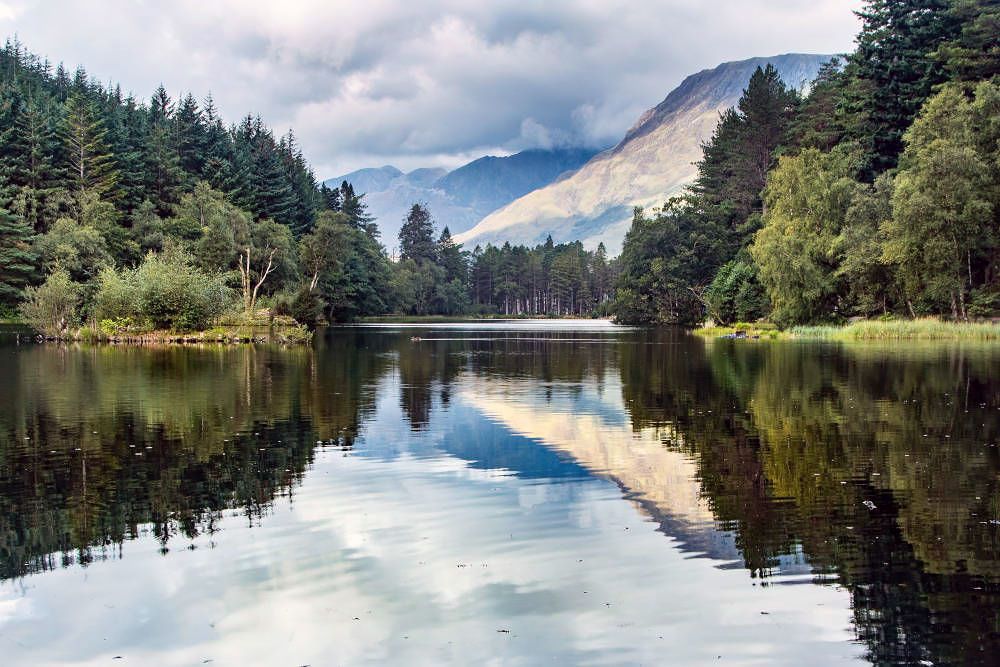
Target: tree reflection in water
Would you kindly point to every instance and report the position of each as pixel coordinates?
(872, 467)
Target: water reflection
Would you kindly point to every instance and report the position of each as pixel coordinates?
(482, 478)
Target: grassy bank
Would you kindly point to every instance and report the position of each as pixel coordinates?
(745, 330)
(282, 330)
(864, 330)
(919, 329)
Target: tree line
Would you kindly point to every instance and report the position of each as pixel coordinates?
(435, 276)
(877, 194)
(156, 214)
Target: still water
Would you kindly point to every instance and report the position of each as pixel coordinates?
(507, 493)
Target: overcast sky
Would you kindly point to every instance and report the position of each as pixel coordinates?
(423, 82)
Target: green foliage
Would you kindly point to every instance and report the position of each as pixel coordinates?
(660, 263)
(807, 198)
(416, 237)
(871, 282)
(895, 72)
(166, 290)
(51, 308)
(17, 258)
(91, 165)
(974, 54)
(736, 293)
(79, 249)
(111, 327)
(943, 230)
(669, 263)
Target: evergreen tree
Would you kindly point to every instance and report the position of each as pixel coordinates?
(31, 147)
(17, 259)
(90, 162)
(163, 165)
(974, 54)
(451, 258)
(192, 138)
(416, 236)
(354, 207)
(896, 71)
(127, 132)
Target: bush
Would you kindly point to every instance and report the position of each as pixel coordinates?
(166, 291)
(736, 293)
(306, 307)
(294, 336)
(117, 325)
(117, 295)
(51, 308)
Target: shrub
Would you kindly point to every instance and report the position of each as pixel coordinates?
(294, 336)
(303, 306)
(51, 308)
(166, 290)
(736, 293)
(117, 325)
(117, 295)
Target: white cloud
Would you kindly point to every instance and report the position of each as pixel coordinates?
(416, 84)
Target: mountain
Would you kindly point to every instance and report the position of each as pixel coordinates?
(654, 160)
(490, 182)
(370, 179)
(461, 198)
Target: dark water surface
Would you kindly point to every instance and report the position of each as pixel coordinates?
(520, 493)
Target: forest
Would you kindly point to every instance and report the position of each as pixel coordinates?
(121, 215)
(877, 194)
(874, 194)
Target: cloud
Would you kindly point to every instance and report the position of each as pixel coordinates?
(414, 84)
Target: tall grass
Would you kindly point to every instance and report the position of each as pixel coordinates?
(919, 329)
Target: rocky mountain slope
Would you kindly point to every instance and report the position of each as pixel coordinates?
(460, 198)
(654, 160)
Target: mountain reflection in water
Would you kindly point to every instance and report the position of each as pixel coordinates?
(603, 495)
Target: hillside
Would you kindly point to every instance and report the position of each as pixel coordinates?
(460, 198)
(654, 160)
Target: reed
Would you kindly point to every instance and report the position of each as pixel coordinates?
(918, 329)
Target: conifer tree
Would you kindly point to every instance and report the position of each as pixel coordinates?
(451, 258)
(163, 166)
(17, 259)
(896, 71)
(416, 236)
(192, 138)
(90, 162)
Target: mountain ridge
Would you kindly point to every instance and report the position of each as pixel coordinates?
(655, 159)
(460, 198)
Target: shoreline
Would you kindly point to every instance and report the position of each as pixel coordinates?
(219, 336)
(921, 329)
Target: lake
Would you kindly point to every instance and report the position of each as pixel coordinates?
(500, 493)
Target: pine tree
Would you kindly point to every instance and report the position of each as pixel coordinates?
(329, 197)
(17, 259)
(451, 258)
(90, 162)
(307, 199)
(127, 131)
(354, 207)
(973, 55)
(31, 147)
(191, 138)
(896, 71)
(766, 109)
(416, 236)
(164, 176)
